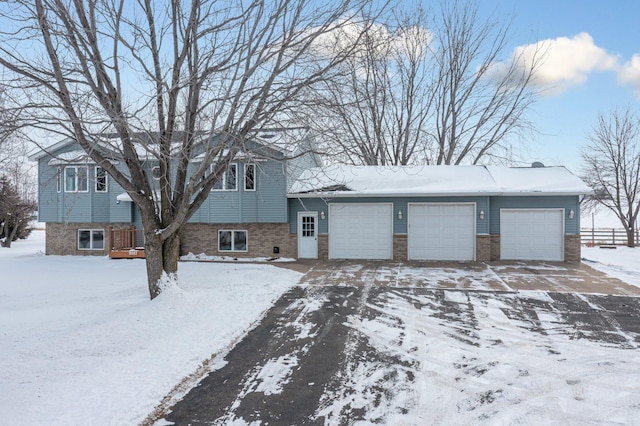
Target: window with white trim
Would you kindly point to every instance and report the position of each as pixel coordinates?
(229, 179)
(76, 179)
(231, 240)
(101, 180)
(249, 177)
(90, 239)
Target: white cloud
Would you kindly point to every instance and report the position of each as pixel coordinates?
(412, 41)
(630, 73)
(564, 61)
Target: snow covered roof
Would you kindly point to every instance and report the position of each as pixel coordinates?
(377, 181)
(78, 156)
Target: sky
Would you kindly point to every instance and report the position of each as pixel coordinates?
(593, 63)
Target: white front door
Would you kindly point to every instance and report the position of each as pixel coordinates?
(308, 235)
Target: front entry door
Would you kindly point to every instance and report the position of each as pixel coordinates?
(308, 235)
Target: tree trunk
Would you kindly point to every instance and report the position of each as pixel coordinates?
(161, 258)
(631, 241)
(10, 234)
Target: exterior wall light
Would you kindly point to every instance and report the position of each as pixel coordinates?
(399, 214)
(481, 214)
(571, 214)
(322, 215)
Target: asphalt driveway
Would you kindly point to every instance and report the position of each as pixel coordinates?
(398, 344)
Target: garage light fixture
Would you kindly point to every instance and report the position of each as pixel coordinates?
(399, 214)
(571, 214)
(322, 215)
(481, 214)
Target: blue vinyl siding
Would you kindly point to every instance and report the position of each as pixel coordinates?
(399, 204)
(267, 204)
(571, 226)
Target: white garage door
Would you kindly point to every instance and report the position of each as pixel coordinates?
(360, 231)
(535, 234)
(441, 232)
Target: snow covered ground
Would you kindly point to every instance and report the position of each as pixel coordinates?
(80, 343)
(621, 262)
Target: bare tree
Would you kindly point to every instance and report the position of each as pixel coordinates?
(164, 79)
(374, 112)
(436, 91)
(480, 97)
(612, 166)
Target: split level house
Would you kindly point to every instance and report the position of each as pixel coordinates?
(272, 203)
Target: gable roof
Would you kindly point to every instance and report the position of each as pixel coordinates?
(407, 181)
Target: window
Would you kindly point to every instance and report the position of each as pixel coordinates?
(101, 179)
(90, 239)
(76, 179)
(155, 172)
(232, 240)
(229, 181)
(249, 177)
(59, 179)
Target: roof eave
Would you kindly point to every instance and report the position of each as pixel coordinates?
(345, 194)
(42, 152)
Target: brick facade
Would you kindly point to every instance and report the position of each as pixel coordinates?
(572, 248)
(323, 246)
(62, 238)
(495, 247)
(483, 248)
(200, 238)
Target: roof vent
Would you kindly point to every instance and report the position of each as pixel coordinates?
(537, 165)
(267, 135)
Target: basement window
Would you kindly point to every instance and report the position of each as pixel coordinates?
(90, 239)
(231, 240)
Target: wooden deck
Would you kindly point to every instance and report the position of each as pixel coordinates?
(126, 243)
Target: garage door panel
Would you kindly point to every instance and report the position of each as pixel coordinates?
(360, 231)
(441, 231)
(532, 234)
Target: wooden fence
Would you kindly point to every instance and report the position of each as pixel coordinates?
(612, 236)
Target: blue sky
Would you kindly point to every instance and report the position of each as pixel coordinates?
(590, 62)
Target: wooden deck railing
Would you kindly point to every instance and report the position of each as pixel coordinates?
(126, 243)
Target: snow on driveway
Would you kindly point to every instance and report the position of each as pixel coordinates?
(416, 356)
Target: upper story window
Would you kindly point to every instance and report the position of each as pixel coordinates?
(76, 179)
(249, 177)
(101, 180)
(229, 180)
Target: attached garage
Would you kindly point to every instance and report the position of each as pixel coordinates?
(445, 231)
(361, 231)
(532, 234)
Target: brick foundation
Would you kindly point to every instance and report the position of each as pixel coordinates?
(400, 247)
(323, 246)
(200, 238)
(62, 238)
(572, 248)
(495, 247)
(483, 248)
